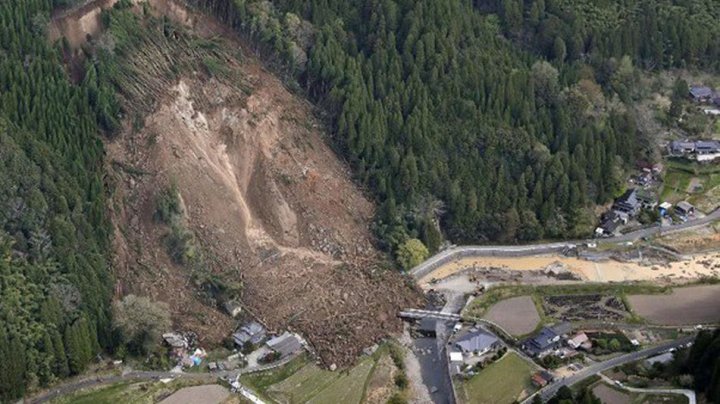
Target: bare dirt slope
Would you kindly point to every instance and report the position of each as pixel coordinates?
(270, 204)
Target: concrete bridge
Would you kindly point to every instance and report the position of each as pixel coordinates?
(417, 314)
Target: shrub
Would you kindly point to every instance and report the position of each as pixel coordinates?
(401, 381)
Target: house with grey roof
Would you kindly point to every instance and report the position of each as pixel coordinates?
(681, 147)
(543, 343)
(286, 344)
(701, 93)
(477, 342)
(252, 332)
(627, 203)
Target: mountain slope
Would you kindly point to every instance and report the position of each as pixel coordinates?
(265, 201)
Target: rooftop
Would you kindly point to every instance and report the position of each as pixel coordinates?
(684, 206)
(476, 341)
(285, 344)
(701, 91)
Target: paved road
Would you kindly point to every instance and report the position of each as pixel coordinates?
(73, 386)
(687, 393)
(549, 391)
(451, 254)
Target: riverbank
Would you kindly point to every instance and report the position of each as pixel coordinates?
(696, 267)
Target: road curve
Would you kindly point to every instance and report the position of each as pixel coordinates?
(451, 254)
(692, 399)
(550, 390)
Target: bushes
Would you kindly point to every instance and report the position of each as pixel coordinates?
(169, 207)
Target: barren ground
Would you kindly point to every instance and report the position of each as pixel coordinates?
(684, 306)
(269, 202)
(517, 315)
(208, 394)
(608, 395)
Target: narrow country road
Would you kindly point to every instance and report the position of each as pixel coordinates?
(550, 390)
(451, 254)
(73, 386)
(687, 393)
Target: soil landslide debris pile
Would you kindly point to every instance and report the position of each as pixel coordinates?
(269, 204)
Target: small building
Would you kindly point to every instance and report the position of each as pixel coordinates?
(701, 93)
(233, 308)
(456, 357)
(609, 223)
(648, 200)
(252, 332)
(477, 342)
(681, 147)
(664, 208)
(707, 150)
(685, 209)
(286, 344)
(543, 343)
(711, 111)
(627, 203)
(580, 341)
(542, 378)
(538, 381)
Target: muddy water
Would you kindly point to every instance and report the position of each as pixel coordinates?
(605, 271)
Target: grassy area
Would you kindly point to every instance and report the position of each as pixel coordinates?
(259, 382)
(501, 382)
(126, 392)
(679, 175)
(301, 381)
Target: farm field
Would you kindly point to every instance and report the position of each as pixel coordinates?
(609, 395)
(684, 306)
(503, 382)
(517, 315)
(207, 394)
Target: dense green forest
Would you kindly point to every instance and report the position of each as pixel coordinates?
(654, 33)
(485, 120)
(500, 120)
(703, 363)
(55, 284)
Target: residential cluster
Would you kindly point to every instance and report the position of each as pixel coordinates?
(254, 346)
(700, 150)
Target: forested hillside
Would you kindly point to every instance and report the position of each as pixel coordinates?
(654, 33)
(448, 110)
(55, 284)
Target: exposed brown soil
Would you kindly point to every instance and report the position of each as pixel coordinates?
(517, 315)
(609, 395)
(270, 204)
(207, 394)
(381, 385)
(684, 306)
